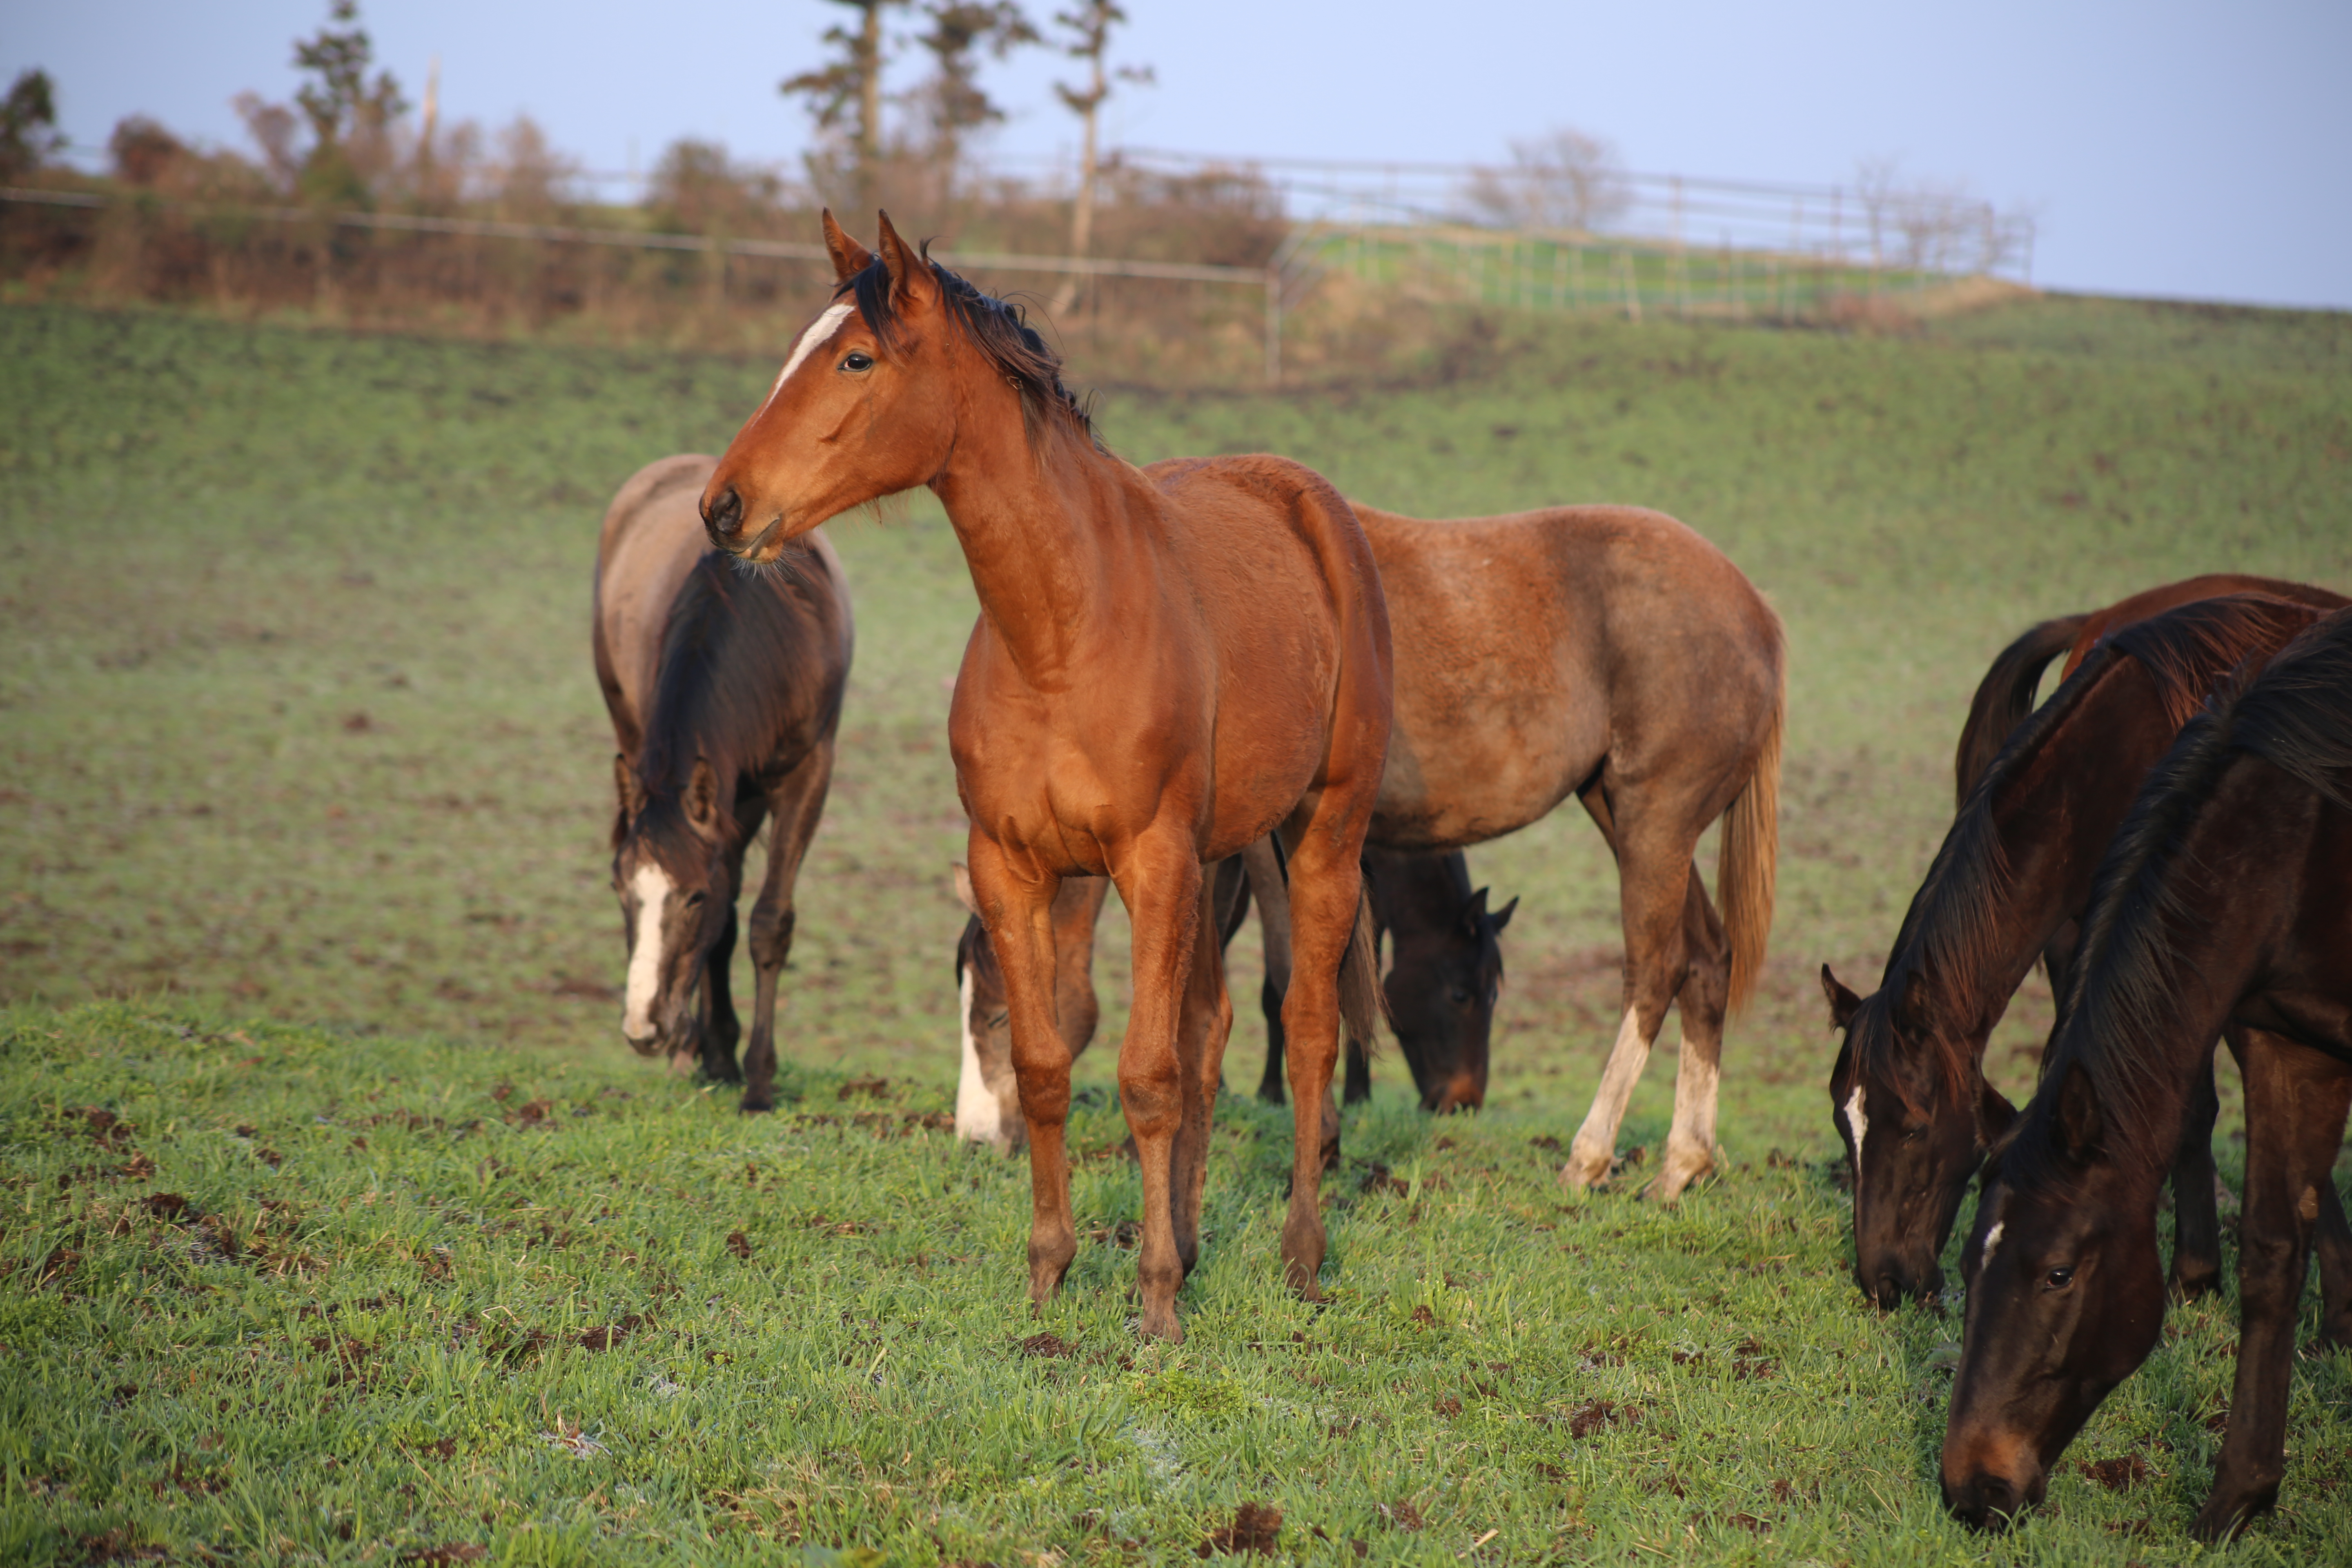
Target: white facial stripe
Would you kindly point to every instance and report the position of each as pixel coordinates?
(979, 1118)
(820, 331)
(1858, 1124)
(1993, 1240)
(652, 886)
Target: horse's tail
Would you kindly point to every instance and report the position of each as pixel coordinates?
(1748, 865)
(1361, 1004)
(2005, 695)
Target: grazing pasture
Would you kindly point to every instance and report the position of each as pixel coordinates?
(338, 1223)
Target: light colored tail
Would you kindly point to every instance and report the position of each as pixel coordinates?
(1749, 862)
(1362, 1004)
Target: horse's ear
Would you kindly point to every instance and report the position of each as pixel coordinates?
(912, 287)
(1994, 1115)
(702, 798)
(2082, 1122)
(1503, 917)
(1843, 1003)
(849, 258)
(964, 895)
(1473, 913)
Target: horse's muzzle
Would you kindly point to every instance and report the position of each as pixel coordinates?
(722, 520)
(1988, 1502)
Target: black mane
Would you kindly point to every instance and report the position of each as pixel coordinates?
(2296, 714)
(725, 693)
(1953, 926)
(998, 328)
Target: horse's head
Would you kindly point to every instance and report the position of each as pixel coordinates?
(1441, 984)
(2065, 1299)
(988, 1098)
(862, 409)
(1914, 1141)
(670, 869)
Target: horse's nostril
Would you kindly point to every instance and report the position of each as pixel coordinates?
(722, 515)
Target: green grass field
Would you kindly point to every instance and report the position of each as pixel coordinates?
(337, 1224)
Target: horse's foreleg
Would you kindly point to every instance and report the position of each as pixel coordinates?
(1158, 1084)
(1207, 1025)
(2196, 1212)
(2295, 1105)
(1653, 871)
(1326, 888)
(1019, 917)
(794, 806)
(714, 1044)
(1262, 864)
(1690, 1141)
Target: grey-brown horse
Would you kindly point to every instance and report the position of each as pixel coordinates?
(724, 686)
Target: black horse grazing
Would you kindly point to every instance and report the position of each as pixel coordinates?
(2226, 898)
(1909, 1092)
(1445, 971)
(724, 688)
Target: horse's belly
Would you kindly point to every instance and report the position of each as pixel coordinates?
(1481, 773)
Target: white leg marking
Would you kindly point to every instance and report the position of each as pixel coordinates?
(1596, 1141)
(1859, 1125)
(1690, 1141)
(820, 330)
(652, 886)
(979, 1118)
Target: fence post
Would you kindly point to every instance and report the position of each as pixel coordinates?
(1274, 326)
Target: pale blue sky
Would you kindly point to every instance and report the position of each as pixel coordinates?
(2191, 151)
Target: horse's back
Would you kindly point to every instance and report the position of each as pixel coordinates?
(651, 538)
(1531, 647)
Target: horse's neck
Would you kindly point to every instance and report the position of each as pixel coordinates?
(1036, 529)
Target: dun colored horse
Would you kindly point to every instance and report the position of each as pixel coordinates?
(1169, 664)
(1909, 1092)
(724, 691)
(1612, 654)
(2225, 899)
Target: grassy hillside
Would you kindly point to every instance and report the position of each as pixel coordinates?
(300, 754)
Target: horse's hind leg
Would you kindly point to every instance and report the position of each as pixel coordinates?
(794, 806)
(1326, 893)
(1706, 990)
(1654, 872)
(2196, 1214)
(1207, 1024)
(1269, 886)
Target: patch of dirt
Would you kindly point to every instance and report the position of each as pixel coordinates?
(1597, 1416)
(1256, 1527)
(2116, 1475)
(875, 1086)
(1749, 1360)
(738, 1244)
(605, 1339)
(1400, 1516)
(171, 1206)
(446, 1556)
(1046, 1346)
(1126, 1234)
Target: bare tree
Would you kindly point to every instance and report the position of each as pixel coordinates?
(850, 85)
(1086, 37)
(1564, 179)
(29, 124)
(951, 101)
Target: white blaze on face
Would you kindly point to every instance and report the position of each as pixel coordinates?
(1858, 1124)
(820, 330)
(1993, 1240)
(653, 888)
(979, 1118)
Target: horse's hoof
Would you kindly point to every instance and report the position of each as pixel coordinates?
(1160, 1324)
(1584, 1170)
(2222, 1517)
(761, 1107)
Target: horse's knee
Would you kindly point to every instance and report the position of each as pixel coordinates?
(771, 937)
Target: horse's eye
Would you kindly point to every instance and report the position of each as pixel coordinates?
(2058, 1279)
(694, 900)
(1461, 997)
(857, 359)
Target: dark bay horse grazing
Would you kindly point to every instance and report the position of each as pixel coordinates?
(1612, 654)
(2225, 898)
(1169, 664)
(724, 688)
(1909, 1092)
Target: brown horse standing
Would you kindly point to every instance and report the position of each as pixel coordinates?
(725, 691)
(1612, 654)
(1169, 663)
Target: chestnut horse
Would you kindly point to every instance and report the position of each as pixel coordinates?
(1908, 1092)
(2225, 899)
(725, 693)
(1169, 664)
